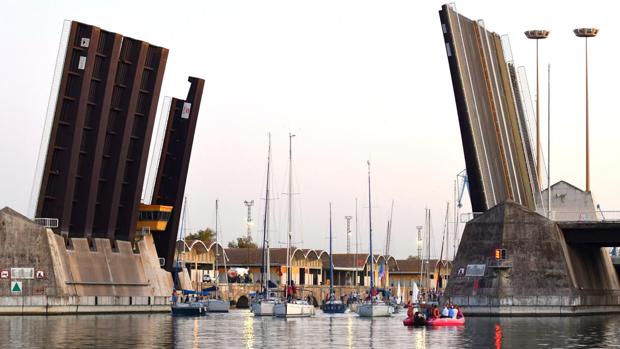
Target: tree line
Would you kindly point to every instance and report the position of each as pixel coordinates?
(208, 236)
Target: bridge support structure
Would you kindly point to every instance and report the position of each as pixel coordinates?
(539, 273)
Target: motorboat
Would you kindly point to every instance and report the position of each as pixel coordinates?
(415, 321)
(446, 321)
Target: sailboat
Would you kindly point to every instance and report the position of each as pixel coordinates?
(264, 304)
(178, 307)
(373, 308)
(291, 307)
(217, 305)
(332, 306)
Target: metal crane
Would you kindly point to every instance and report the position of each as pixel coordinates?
(463, 183)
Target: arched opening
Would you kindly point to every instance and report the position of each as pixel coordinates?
(243, 303)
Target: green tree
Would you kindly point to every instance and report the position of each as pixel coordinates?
(412, 258)
(206, 235)
(242, 242)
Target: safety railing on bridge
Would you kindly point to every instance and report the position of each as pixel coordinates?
(563, 216)
(585, 216)
(468, 216)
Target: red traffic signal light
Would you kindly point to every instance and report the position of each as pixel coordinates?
(500, 253)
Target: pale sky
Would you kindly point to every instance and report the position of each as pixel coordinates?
(354, 80)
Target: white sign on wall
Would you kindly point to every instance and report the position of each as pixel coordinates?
(22, 273)
(475, 269)
(82, 63)
(187, 107)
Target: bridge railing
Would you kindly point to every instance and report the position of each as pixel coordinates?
(585, 216)
(468, 216)
(563, 216)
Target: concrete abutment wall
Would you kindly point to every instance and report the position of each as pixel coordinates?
(541, 275)
(79, 279)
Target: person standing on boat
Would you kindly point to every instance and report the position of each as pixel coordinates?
(459, 312)
(452, 312)
(445, 312)
(174, 297)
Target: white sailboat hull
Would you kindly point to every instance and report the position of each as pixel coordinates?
(263, 308)
(294, 310)
(217, 306)
(374, 310)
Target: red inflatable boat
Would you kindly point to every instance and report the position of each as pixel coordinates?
(446, 322)
(409, 321)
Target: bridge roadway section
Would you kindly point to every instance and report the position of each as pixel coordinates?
(600, 234)
(489, 118)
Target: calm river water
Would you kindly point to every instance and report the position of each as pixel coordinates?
(240, 329)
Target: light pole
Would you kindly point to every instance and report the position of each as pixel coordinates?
(537, 35)
(587, 33)
(348, 218)
(248, 221)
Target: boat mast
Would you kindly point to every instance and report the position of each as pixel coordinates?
(266, 261)
(445, 239)
(331, 260)
(216, 273)
(290, 214)
(372, 275)
(355, 280)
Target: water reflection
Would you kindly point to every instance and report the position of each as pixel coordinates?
(420, 337)
(240, 329)
(350, 332)
(248, 330)
(195, 334)
(498, 336)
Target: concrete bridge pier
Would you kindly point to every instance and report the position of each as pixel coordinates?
(539, 274)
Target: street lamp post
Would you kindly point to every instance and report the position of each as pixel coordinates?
(537, 35)
(587, 33)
